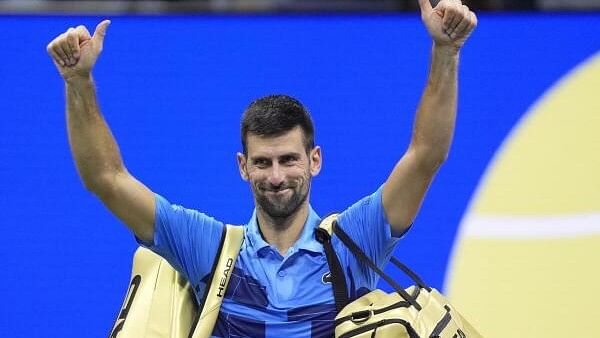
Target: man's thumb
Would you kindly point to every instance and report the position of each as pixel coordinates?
(425, 6)
(100, 31)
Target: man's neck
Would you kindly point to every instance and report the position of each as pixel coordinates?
(282, 232)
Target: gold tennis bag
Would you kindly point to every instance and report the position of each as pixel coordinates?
(160, 302)
(417, 312)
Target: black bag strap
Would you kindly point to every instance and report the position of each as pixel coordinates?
(357, 251)
(410, 273)
(329, 224)
(338, 279)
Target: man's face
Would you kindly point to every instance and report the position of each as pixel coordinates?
(279, 171)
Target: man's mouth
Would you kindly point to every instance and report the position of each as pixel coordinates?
(277, 191)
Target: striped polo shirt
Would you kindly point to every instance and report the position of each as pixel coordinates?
(269, 294)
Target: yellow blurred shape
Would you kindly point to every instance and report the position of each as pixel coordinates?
(529, 288)
(551, 162)
(527, 259)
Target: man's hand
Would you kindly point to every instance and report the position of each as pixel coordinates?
(75, 52)
(450, 23)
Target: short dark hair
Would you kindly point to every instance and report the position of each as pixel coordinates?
(275, 115)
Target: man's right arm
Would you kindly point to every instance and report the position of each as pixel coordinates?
(94, 149)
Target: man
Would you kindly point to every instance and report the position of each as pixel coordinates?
(279, 285)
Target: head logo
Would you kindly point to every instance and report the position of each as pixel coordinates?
(223, 279)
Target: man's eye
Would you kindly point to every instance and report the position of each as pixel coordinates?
(288, 160)
(260, 162)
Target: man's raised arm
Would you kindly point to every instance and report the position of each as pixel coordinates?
(94, 149)
(449, 24)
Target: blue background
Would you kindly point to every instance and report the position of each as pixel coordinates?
(173, 89)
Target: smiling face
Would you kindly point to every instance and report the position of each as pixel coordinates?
(279, 170)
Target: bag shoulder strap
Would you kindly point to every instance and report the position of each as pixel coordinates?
(338, 279)
(229, 248)
(330, 226)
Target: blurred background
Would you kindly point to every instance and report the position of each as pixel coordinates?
(510, 229)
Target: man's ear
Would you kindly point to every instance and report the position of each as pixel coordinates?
(315, 160)
(241, 159)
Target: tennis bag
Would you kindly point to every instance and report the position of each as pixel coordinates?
(160, 302)
(417, 312)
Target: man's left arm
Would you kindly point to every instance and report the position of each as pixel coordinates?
(449, 24)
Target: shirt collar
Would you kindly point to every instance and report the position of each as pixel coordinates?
(307, 240)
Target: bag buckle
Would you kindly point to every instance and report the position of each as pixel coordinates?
(361, 316)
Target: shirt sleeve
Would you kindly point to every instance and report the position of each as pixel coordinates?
(365, 222)
(186, 238)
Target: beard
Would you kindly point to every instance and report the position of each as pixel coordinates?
(279, 203)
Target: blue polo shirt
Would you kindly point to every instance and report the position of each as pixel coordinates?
(269, 294)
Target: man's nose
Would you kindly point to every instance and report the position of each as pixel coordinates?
(276, 175)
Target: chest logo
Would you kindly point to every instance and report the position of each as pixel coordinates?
(326, 278)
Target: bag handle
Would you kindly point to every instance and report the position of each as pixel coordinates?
(358, 252)
(410, 273)
(229, 249)
(329, 225)
(361, 255)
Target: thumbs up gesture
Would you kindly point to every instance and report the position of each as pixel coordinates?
(75, 51)
(449, 23)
